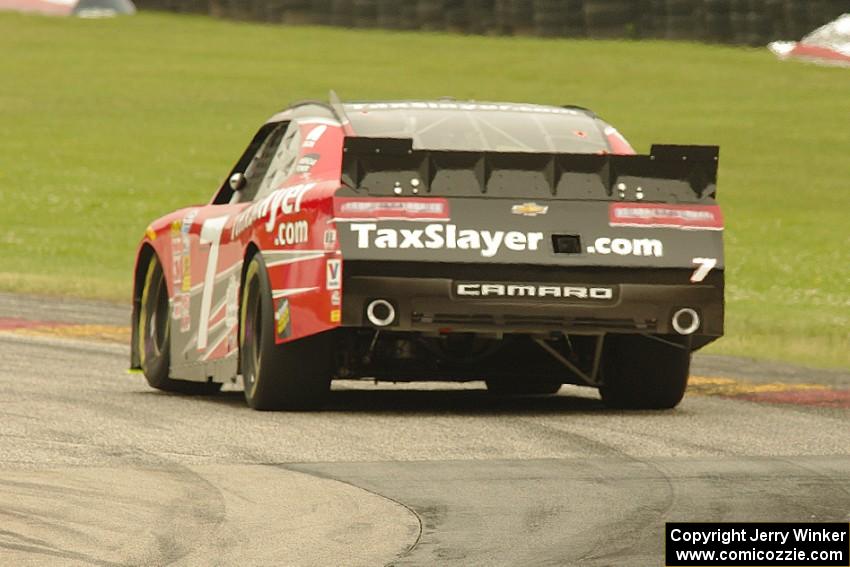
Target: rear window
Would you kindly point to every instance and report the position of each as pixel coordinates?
(479, 126)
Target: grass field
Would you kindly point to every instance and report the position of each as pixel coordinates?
(108, 124)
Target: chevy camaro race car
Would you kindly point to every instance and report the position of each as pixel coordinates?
(523, 245)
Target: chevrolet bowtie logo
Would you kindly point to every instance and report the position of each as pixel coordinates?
(529, 209)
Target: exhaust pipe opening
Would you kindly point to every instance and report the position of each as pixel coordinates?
(686, 321)
(380, 313)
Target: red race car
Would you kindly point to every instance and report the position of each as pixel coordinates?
(519, 244)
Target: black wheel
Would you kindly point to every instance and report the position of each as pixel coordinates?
(521, 387)
(293, 376)
(154, 335)
(644, 373)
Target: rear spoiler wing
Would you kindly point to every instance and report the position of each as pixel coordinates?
(390, 166)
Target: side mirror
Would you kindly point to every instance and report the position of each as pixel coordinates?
(237, 181)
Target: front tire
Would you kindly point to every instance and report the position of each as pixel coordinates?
(291, 376)
(644, 373)
(154, 335)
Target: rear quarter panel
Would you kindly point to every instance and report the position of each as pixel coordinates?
(294, 230)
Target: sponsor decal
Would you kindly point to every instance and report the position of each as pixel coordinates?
(292, 232)
(306, 163)
(186, 282)
(180, 311)
(176, 255)
(445, 236)
(533, 291)
(150, 233)
(184, 299)
(333, 274)
(314, 136)
(176, 308)
(186, 268)
(188, 219)
(283, 319)
(529, 209)
(627, 247)
(336, 316)
(330, 239)
(649, 215)
(181, 266)
(336, 298)
(411, 208)
(286, 201)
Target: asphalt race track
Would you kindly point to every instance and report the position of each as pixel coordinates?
(98, 469)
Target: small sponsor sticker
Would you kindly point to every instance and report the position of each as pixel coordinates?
(150, 233)
(185, 313)
(177, 255)
(333, 274)
(330, 239)
(306, 163)
(186, 225)
(186, 281)
(283, 319)
(336, 315)
(314, 136)
(336, 298)
(410, 208)
(652, 215)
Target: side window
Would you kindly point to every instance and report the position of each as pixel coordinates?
(255, 172)
(273, 156)
(282, 164)
(251, 164)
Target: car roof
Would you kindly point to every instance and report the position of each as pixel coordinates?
(464, 105)
(313, 108)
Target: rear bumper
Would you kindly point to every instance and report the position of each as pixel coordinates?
(425, 298)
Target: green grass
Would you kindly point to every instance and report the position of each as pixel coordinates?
(109, 124)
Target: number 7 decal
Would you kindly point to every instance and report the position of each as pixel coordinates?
(704, 266)
(210, 235)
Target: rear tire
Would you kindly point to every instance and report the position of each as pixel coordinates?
(642, 373)
(521, 387)
(154, 335)
(292, 376)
